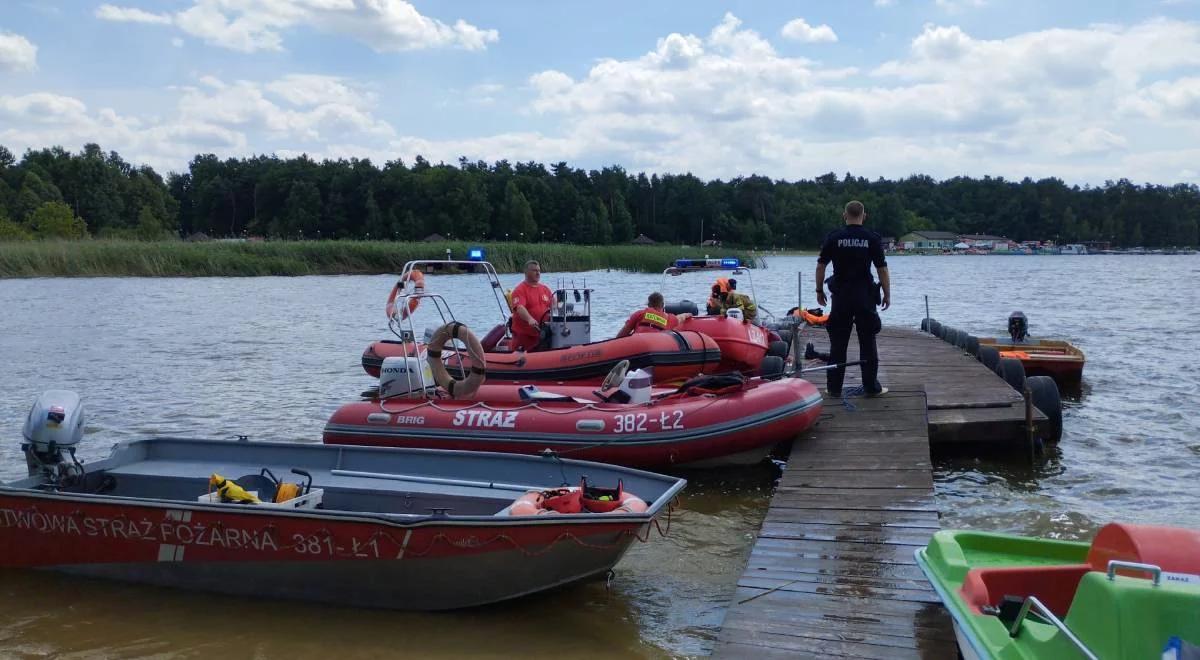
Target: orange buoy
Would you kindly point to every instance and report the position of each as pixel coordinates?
(418, 280)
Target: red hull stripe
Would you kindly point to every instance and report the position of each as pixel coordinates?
(811, 403)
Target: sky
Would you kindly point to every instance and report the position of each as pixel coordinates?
(1086, 91)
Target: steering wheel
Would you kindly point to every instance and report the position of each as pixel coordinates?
(616, 375)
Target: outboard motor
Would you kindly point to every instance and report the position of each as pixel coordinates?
(1018, 326)
(635, 388)
(400, 376)
(52, 431)
(571, 316)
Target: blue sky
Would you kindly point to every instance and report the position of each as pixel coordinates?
(1086, 91)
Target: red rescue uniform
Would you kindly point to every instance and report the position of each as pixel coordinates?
(648, 320)
(536, 300)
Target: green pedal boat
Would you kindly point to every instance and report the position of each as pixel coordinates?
(1133, 592)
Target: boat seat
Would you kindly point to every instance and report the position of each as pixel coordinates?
(1053, 585)
(1131, 617)
(1170, 548)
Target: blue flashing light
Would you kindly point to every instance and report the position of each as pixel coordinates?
(475, 254)
(714, 264)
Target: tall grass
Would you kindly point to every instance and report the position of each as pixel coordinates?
(230, 259)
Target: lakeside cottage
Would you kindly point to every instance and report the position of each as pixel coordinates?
(928, 240)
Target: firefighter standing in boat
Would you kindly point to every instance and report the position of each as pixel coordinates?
(852, 250)
(530, 305)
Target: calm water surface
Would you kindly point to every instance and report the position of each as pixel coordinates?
(273, 357)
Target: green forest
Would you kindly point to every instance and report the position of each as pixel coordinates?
(55, 193)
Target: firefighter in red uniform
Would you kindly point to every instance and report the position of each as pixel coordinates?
(530, 305)
(652, 319)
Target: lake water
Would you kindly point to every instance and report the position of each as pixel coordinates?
(273, 357)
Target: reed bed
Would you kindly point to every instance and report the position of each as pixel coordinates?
(108, 258)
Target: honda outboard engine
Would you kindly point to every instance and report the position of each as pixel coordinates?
(52, 431)
(571, 316)
(1018, 326)
(400, 376)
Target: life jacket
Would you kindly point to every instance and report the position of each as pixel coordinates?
(652, 320)
(715, 304)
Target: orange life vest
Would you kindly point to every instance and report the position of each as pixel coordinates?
(651, 319)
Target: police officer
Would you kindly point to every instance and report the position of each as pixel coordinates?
(852, 250)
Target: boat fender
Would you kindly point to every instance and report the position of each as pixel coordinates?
(418, 280)
(478, 371)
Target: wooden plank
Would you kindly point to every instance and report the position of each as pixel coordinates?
(853, 517)
(848, 536)
(881, 478)
(830, 646)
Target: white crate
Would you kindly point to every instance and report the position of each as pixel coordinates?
(310, 500)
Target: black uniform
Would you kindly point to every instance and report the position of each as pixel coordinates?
(855, 295)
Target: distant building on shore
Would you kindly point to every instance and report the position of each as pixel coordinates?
(929, 240)
(643, 239)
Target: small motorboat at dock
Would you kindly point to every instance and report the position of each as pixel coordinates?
(1055, 358)
(364, 526)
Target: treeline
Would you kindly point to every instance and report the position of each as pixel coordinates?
(56, 193)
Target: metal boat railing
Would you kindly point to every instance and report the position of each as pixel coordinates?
(1033, 604)
(402, 325)
(740, 271)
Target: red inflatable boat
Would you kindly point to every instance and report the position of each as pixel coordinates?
(670, 356)
(693, 427)
(743, 344)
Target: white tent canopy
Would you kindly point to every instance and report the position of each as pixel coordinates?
(961, 246)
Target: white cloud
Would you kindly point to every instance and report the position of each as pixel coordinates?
(799, 30)
(1086, 104)
(215, 116)
(177, 42)
(885, 3)
(955, 6)
(17, 54)
(1176, 99)
(259, 25)
(1042, 103)
(130, 15)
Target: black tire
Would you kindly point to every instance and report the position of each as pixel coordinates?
(1046, 398)
(989, 356)
(973, 345)
(777, 349)
(785, 336)
(961, 340)
(771, 367)
(1013, 373)
(925, 324)
(952, 337)
(943, 330)
(934, 327)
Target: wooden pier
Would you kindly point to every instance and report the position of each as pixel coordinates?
(832, 573)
